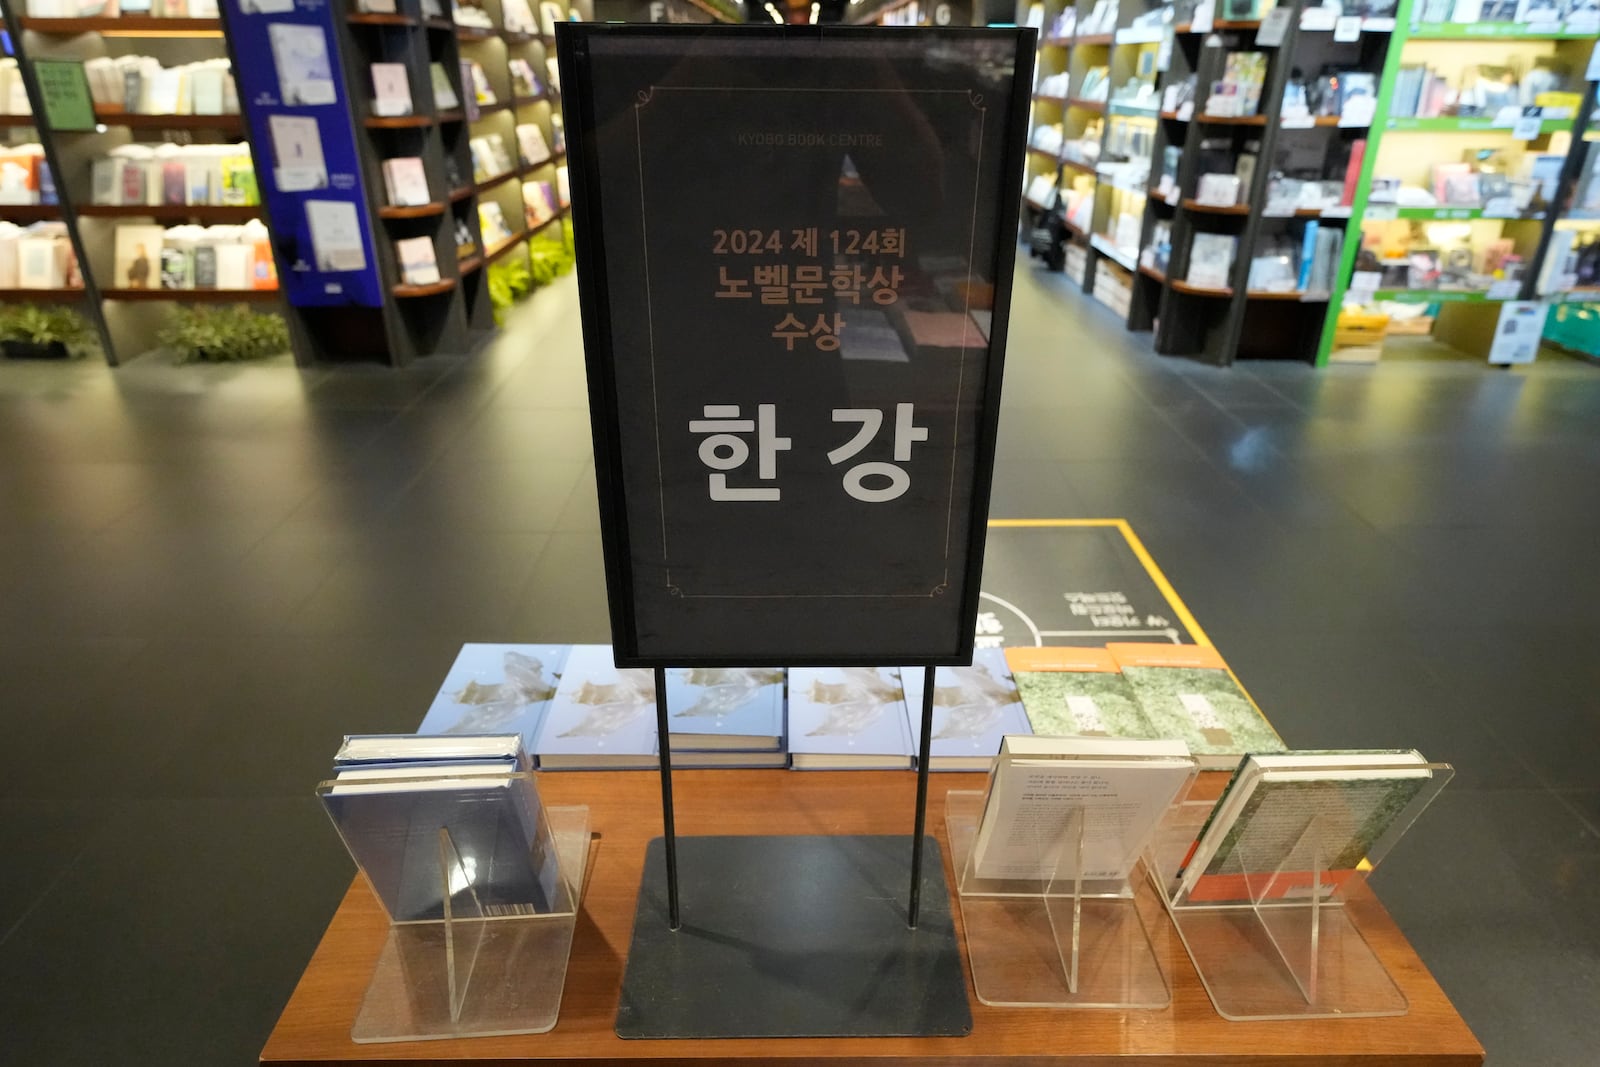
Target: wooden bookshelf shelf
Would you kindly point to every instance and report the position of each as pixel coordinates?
(519, 38)
(546, 224)
(189, 296)
(411, 292)
(474, 34)
(357, 18)
(1082, 168)
(396, 122)
(1094, 40)
(1191, 204)
(420, 211)
(1056, 42)
(453, 115)
(547, 161)
(227, 124)
(207, 213)
(527, 101)
(1286, 295)
(457, 195)
(1042, 154)
(25, 213)
(513, 242)
(1220, 24)
(124, 26)
(470, 264)
(16, 120)
(498, 179)
(1087, 105)
(1046, 98)
(40, 296)
(1225, 120)
(439, 24)
(1199, 290)
(485, 110)
(1171, 116)
(1151, 272)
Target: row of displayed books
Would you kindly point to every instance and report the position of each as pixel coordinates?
(140, 85)
(171, 174)
(194, 257)
(575, 709)
(39, 256)
(25, 176)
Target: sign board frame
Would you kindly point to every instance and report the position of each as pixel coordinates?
(606, 385)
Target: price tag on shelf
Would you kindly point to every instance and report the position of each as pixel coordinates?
(1348, 28)
(1526, 128)
(1381, 212)
(1303, 121)
(1504, 289)
(1273, 27)
(1204, 16)
(1516, 335)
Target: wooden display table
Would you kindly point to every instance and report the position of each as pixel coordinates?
(625, 813)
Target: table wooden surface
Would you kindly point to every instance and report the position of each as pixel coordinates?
(625, 813)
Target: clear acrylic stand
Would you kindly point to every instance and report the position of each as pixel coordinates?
(1055, 942)
(472, 974)
(1289, 947)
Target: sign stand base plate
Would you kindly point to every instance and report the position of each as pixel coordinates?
(793, 936)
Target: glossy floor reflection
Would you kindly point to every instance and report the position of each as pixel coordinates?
(207, 575)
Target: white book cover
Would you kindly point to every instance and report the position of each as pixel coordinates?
(164, 94)
(206, 88)
(406, 181)
(847, 718)
(300, 54)
(9, 240)
(298, 165)
(531, 143)
(493, 689)
(391, 90)
(234, 263)
(1045, 789)
(444, 93)
(726, 708)
(336, 235)
(974, 708)
(601, 717)
(42, 263)
(418, 265)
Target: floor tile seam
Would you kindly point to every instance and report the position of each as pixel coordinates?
(45, 892)
(1564, 796)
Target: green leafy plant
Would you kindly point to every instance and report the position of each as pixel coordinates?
(223, 334)
(33, 325)
(550, 259)
(509, 281)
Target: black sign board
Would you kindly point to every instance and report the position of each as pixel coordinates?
(795, 248)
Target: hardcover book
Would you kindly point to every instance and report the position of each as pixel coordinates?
(137, 259)
(1187, 692)
(737, 708)
(1283, 816)
(848, 718)
(495, 688)
(1069, 691)
(601, 717)
(335, 235)
(298, 165)
(974, 709)
(300, 54)
(418, 264)
(391, 90)
(405, 181)
(444, 93)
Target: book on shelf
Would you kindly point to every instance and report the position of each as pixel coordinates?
(45, 262)
(1298, 825)
(974, 709)
(335, 235)
(563, 186)
(376, 7)
(601, 718)
(137, 257)
(538, 203)
(297, 161)
(436, 837)
(478, 81)
(524, 83)
(1070, 691)
(368, 749)
(848, 718)
(239, 187)
(418, 264)
(1049, 797)
(300, 55)
(1187, 692)
(469, 98)
(444, 91)
(493, 689)
(205, 267)
(734, 710)
(1211, 260)
(531, 145)
(492, 224)
(177, 267)
(558, 133)
(391, 90)
(406, 182)
(517, 17)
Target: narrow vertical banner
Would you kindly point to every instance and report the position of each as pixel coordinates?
(291, 90)
(795, 249)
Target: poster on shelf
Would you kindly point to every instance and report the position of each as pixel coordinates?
(64, 92)
(794, 322)
(293, 98)
(1516, 335)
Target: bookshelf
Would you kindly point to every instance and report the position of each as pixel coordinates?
(126, 316)
(1569, 278)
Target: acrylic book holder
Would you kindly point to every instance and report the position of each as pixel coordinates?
(1054, 942)
(489, 963)
(1291, 948)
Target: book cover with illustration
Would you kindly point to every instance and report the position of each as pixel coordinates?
(847, 718)
(1077, 692)
(726, 708)
(601, 718)
(1187, 692)
(974, 708)
(497, 689)
(300, 54)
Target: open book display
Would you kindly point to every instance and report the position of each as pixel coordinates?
(1264, 886)
(479, 879)
(1044, 859)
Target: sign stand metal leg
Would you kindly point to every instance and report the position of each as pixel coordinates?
(922, 797)
(670, 835)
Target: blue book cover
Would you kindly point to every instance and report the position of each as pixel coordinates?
(1308, 253)
(847, 718)
(718, 708)
(973, 709)
(602, 718)
(497, 689)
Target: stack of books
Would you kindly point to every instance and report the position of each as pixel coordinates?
(172, 174)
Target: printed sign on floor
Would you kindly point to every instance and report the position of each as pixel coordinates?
(795, 249)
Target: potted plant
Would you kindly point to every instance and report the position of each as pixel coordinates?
(223, 334)
(28, 331)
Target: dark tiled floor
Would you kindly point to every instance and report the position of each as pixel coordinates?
(207, 575)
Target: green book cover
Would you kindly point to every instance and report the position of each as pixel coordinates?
(1076, 692)
(1187, 692)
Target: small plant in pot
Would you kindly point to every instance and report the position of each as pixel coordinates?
(229, 334)
(31, 332)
